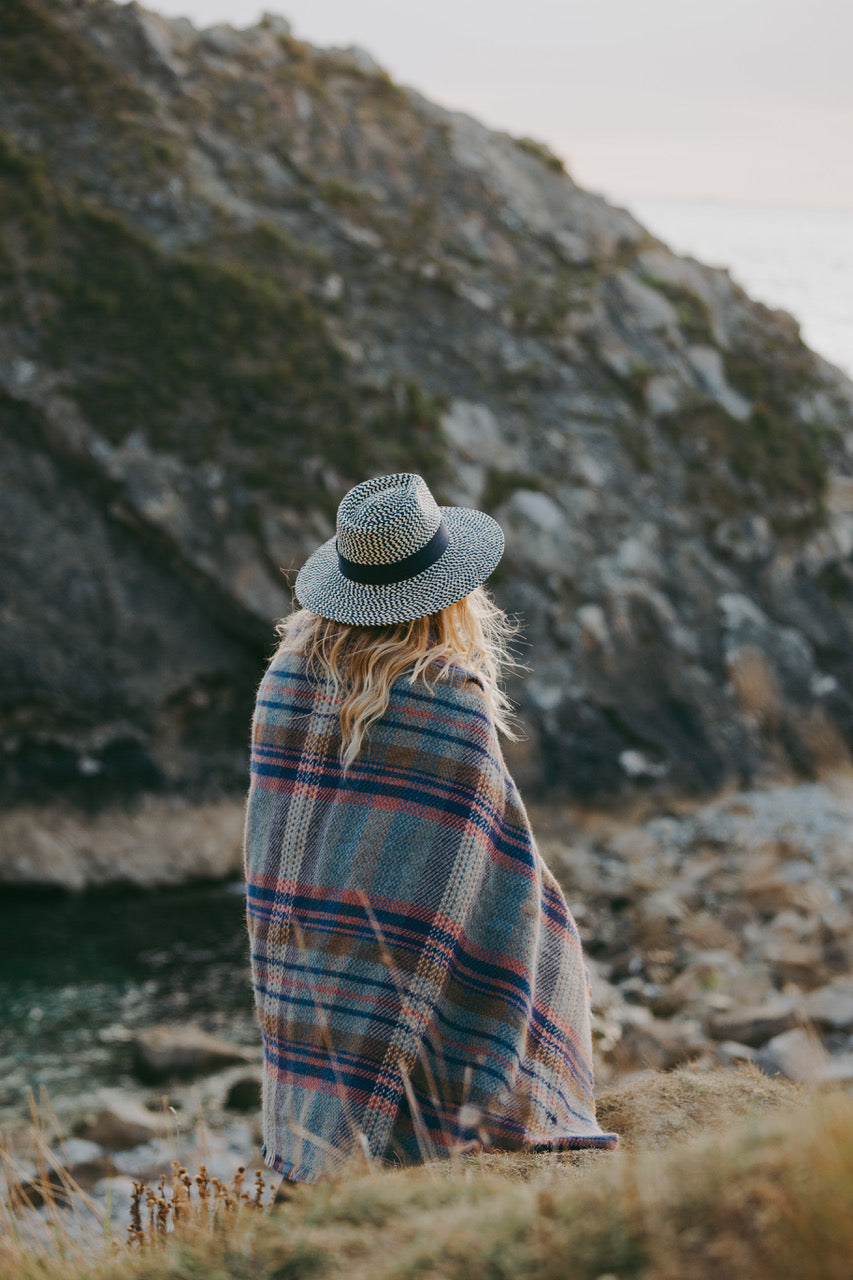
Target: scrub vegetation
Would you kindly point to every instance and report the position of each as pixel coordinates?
(719, 1173)
(224, 356)
(733, 466)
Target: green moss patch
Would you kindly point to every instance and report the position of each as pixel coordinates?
(37, 53)
(769, 462)
(540, 304)
(541, 152)
(207, 359)
(694, 319)
(59, 78)
(768, 360)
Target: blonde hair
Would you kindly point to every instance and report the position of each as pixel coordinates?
(364, 662)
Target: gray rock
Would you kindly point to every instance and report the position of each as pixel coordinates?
(277, 24)
(115, 1192)
(831, 1007)
(167, 39)
(163, 1052)
(646, 308)
(361, 59)
(713, 289)
(541, 533)
(797, 1054)
(730, 1053)
(747, 538)
(76, 1151)
(655, 1042)
(757, 1024)
(473, 432)
(148, 1159)
(665, 393)
(707, 364)
(122, 1122)
(58, 1187)
(839, 1070)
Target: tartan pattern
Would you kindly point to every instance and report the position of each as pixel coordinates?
(418, 977)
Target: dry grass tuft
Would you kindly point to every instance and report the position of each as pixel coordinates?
(755, 686)
(721, 1173)
(657, 1110)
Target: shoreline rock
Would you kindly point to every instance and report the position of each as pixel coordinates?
(169, 1052)
(158, 840)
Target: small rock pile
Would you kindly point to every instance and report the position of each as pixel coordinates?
(722, 934)
(713, 936)
(208, 1113)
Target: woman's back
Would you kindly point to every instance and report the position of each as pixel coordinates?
(407, 945)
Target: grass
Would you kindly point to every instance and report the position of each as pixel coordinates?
(541, 152)
(719, 1173)
(65, 84)
(501, 485)
(770, 459)
(769, 361)
(39, 53)
(541, 304)
(694, 319)
(343, 195)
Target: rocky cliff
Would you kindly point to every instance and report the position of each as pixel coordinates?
(237, 275)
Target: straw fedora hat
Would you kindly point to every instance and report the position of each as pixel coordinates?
(397, 555)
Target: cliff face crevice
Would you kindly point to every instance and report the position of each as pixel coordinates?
(237, 275)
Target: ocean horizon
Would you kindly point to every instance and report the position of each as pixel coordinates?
(796, 258)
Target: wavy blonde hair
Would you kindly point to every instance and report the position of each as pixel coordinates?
(364, 662)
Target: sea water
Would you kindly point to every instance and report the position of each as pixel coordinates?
(80, 973)
(798, 259)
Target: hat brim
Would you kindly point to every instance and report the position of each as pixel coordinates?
(474, 548)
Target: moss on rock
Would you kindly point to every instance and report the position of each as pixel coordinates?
(207, 359)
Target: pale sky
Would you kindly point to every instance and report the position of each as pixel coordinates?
(737, 100)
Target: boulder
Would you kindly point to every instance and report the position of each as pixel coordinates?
(793, 884)
(707, 364)
(121, 1122)
(693, 988)
(795, 961)
(114, 1192)
(730, 1053)
(658, 917)
(831, 1007)
(838, 1070)
(756, 1024)
(656, 1043)
(244, 1094)
(162, 1052)
(84, 1165)
(797, 1054)
(647, 308)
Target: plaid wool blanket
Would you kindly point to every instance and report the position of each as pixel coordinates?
(418, 977)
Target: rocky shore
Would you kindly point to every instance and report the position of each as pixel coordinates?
(240, 273)
(151, 840)
(722, 934)
(113, 1137)
(716, 934)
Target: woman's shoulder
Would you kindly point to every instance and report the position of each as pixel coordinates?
(452, 679)
(457, 693)
(460, 677)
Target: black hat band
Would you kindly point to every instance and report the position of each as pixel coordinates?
(383, 575)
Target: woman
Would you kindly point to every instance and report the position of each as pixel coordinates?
(418, 977)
